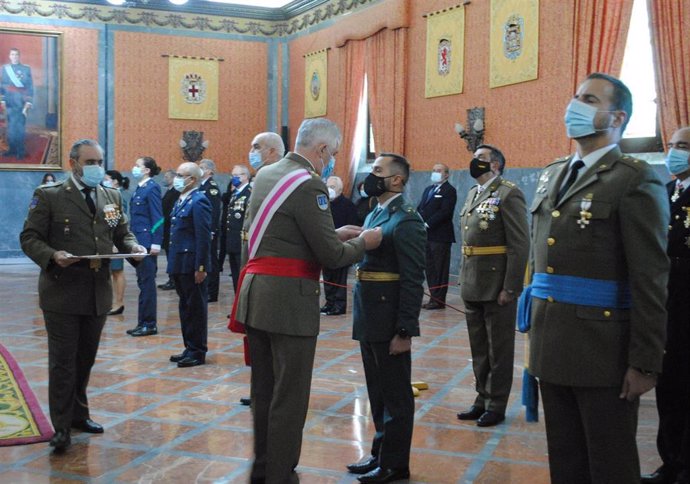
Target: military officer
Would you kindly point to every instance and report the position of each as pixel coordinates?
(17, 91)
(71, 218)
(673, 387)
(495, 247)
(188, 260)
(210, 188)
(278, 296)
(598, 293)
(387, 301)
(237, 207)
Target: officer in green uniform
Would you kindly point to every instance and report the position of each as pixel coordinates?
(598, 292)
(495, 247)
(387, 300)
(75, 217)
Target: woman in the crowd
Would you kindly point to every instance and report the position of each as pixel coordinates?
(114, 179)
(146, 223)
(48, 178)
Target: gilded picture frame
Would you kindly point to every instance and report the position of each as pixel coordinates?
(31, 99)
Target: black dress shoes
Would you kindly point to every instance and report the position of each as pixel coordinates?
(88, 426)
(145, 331)
(472, 414)
(130, 331)
(325, 309)
(188, 361)
(115, 312)
(663, 475)
(489, 419)
(335, 312)
(61, 440)
(379, 475)
(177, 358)
(365, 465)
(168, 286)
(246, 401)
(433, 305)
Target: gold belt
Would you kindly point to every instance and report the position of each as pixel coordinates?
(376, 276)
(468, 250)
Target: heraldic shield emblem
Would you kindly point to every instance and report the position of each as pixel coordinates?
(513, 36)
(444, 54)
(193, 88)
(315, 86)
(193, 145)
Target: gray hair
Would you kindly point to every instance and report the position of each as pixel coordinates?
(244, 169)
(272, 140)
(192, 169)
(316, 131)
(209, 164)
(170, 172)
(338, 182)
(74, 151)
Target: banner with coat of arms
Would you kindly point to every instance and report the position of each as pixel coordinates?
(514, 49)
(316, 84)
(192, 88)
(445, 52)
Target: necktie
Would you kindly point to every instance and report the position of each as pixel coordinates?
(431, 194)
(89, 200)
(574, 169)
(376, 212)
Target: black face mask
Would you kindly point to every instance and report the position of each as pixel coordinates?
(375, 185)
(479, 167)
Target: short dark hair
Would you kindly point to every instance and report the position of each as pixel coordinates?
(622, 97)
(123, 181)
(496, 155)
(400, 163)
(74, 151)
(150, 163)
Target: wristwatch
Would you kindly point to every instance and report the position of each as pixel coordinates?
(402, 332)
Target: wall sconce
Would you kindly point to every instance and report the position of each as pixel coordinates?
(474, 134)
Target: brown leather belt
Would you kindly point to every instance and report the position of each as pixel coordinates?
(371, 276)
(469, 250)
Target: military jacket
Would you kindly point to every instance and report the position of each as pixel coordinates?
(189, 249)
(381, 309)
(234, 222)
(497, 217)
(302, 228)
(59, 219)
(612, 225)
(146, 214)
(212, 191)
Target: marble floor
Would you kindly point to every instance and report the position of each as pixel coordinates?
(170, 425)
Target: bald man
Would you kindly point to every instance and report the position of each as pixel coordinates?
(673, 385)
(266, 149)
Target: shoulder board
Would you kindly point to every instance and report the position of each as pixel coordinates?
(508, 183)
(53, 185)
(213, 182)
(632, 161)
(314, 174)
(560, 160)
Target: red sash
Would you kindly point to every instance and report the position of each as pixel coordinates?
(272, 266)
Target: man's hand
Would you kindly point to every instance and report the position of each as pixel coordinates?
(64, 258)
(347, 232)
(372, 238)
(399, 345)
(504, 297)
(138, 249)
(636, 384)
(155, 251)
(199, 277)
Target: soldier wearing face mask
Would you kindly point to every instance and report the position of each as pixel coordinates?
(598, 293)
(335, 280)
(495, 247)
(436, 208)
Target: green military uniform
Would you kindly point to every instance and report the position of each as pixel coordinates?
(610, 225)
(495, 238)
(387, 299)
(74, 299)
(281, 314)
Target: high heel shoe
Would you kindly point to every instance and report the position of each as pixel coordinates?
(114, 312)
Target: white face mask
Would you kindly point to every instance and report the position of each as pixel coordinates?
(436, 177)
(331, 193)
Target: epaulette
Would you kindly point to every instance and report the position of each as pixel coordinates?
(508, 183)
(560, 160)
(52, 185)
(213, 182)
(636, 163)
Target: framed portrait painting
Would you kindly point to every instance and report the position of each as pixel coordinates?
(30, 99)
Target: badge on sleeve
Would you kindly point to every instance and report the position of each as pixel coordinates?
(34, 203)
(322, 202)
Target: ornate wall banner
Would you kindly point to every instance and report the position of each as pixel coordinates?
(514, 50)
(316, 84)
(192, 88)
(445, 51)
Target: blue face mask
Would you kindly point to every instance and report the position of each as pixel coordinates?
(107, 184)
(677, 161)
(137, 172)
(255, 159)
(236, 181)
(92, 175)
(579, 119)
(178, 183)
(328, 168)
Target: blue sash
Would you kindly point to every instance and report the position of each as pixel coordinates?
(13, 76)
(581, 291)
